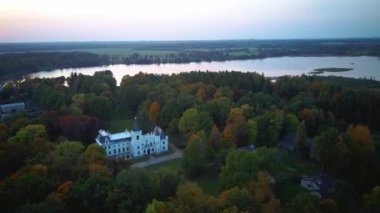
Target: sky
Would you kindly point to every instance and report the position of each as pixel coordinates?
(136, 20)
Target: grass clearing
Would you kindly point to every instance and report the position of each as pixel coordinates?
(119, 125)
(174, 164)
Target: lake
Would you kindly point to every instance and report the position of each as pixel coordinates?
(363, 67)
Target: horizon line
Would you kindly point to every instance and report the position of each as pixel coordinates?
(189, 40)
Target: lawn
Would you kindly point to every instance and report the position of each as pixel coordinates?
(174, 164)
(119, 125)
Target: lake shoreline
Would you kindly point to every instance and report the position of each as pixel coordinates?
(364, 66)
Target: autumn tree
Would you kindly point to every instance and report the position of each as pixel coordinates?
(190, 198)
(235, 131)
(362, 136)
(214, 138)
(154, 112)
(237, 200)
(262, 191)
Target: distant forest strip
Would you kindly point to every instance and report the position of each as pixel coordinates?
(186, 45)
(22, 58)
(13, 64)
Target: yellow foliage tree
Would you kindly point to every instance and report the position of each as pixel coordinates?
(361, 135)
(154, 112)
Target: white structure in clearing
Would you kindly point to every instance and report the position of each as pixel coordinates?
(132, 143)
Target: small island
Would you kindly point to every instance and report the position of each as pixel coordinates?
(329, 69)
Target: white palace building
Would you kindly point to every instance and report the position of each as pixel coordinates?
(132, 143)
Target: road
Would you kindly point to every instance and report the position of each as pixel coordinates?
(155, 160)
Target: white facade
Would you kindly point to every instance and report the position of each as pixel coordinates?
(132, 143)
(7, 110)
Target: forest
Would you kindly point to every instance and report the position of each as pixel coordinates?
(17, 64)
(50, 163)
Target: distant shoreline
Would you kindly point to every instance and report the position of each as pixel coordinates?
(329, 69)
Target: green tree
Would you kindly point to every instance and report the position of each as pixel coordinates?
(64, 158)
(189, 122)
(4, 133)
(89, 194)
(303, 202)
(131, 192)
(372, 200)
(324, 146)
(269, 126)
(194, 158)
(157, 206)
(35, 140)
(301, 137)
(166, 182)
(251, 131)
(28, 185)
(241, 166)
